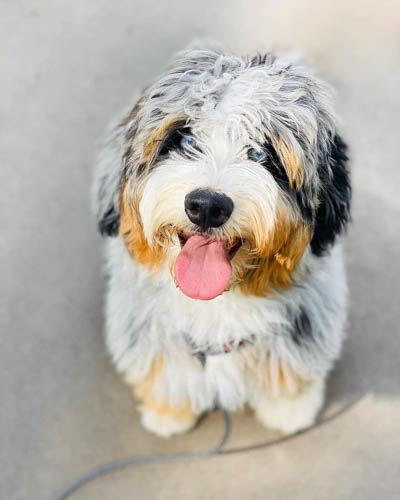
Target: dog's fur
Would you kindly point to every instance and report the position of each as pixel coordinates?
(270, 339)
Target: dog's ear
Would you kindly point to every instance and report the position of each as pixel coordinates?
(106, 188)
(333, 212)
(109, 172)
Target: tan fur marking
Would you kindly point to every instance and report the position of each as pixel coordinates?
(291, 162)
(155, 141)
(181, 413)
(132, 232)
(277, 378)
(143, 391)
(289, 382)
(144, 387)
(273, 268)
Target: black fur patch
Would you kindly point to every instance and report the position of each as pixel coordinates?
(173, 140)
(333, 213)
(274, 165)
(261, 59)
(109, 224)
(302, 328)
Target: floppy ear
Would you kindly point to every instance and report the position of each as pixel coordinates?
(109, 172)
(333, 212)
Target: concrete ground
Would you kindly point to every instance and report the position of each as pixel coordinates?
(66, 68)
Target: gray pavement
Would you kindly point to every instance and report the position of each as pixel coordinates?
(66, 68)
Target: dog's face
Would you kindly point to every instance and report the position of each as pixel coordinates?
(231, 169)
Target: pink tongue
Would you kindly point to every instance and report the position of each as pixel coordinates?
(202, 269)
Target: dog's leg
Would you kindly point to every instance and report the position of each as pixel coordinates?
(290, 414)
(158, 415)
(284, 401)
(165, 420)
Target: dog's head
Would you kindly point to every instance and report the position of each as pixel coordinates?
(230, 168)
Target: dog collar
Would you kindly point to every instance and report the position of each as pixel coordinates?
(201, 352)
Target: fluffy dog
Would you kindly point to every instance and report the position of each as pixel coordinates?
(223, 192)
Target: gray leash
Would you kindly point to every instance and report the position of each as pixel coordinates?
(123, 464)
(216, 450)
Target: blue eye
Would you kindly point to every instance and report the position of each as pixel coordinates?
(255, 155)
(187, 142)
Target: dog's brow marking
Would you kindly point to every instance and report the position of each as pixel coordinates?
(157, 137)
(291, 162)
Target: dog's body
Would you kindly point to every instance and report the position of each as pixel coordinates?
(225, 188)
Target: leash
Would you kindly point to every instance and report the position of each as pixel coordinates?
(216, 450)
(123, 464)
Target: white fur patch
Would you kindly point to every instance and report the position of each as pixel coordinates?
(291, 414)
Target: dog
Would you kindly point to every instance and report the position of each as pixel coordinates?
(222, 193)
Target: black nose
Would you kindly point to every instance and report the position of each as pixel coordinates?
(207, 208)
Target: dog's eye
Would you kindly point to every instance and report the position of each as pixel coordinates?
(255, 155)
(187, 142)
(179, 140)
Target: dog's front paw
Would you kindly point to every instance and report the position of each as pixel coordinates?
(166, 421)
(291, 414)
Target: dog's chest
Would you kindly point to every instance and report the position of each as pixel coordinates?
(158, 312)
(227, 320)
